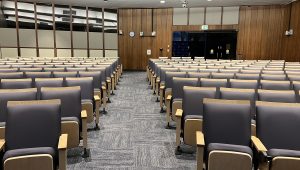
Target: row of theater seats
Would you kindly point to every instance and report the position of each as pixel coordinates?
(44, 113)
(233, 127)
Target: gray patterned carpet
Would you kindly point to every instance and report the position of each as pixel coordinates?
(133, 134)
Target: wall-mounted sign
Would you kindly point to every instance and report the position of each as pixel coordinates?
(131, 34)
(204, 27)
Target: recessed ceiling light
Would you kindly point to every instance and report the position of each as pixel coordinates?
(209, 0)
(162, 1)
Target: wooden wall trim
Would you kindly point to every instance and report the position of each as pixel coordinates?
(36, 32)
(17, 27)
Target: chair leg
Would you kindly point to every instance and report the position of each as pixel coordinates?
(178, 150)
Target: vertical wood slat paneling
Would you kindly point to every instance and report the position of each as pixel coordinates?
(133, 51)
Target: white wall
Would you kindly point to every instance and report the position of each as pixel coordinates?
(180, 16)
(8, 37)
(27, 38)
(111, 40)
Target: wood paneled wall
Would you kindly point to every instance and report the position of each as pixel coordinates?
(291, 44)
(261, 32)
(133, 50)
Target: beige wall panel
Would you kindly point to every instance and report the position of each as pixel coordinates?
(111, 53)
(96, 40)
(180, 16)
(213, 15)
(63, 39)
(231, 15)
(8, 37)
(27, 38)
(46, 38)
(9, 52)
(197, 16)
(79, 39)
(28, 52)
(46, 52)
(63, 52)
(80, 53)
(96, 53)
(111, 40)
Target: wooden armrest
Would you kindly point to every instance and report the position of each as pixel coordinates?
(108, 81)
(96, 98)
(162, 87)
(258, 144)
(157, 80)
(2, 144)
(200, 138)
(63, 141)
(154, 76)
(179, 113)
(169, 97)
(103, 88)
(83, 114)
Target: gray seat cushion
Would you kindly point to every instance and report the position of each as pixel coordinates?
(229, 147)
(29, 151)
(283, 152)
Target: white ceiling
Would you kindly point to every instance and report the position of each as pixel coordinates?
(169, 3)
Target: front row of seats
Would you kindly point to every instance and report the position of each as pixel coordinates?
(225, 141)
(34, 137)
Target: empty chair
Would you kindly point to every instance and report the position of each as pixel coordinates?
(189, 118)
(209, 70)
(294, 77)
(204, 82)
(285, 96)
(74, 120)
(222, 75)
(226, 135)
(64, 74)
(71, 69)
(50, 69)
(243, 84)
(34, 75)
(247, 76)
(33, 138)
(275, 85)
(276, 77)
(198, 75)
(12, 75)
(174, 100)
(31, 69)
(87, 97)
(13, 95)
(8, 70)
(273, 72)
(229, 70)
(99, 87)
(16, 83)
(296, 85)
(166, 89)
(188, 69)
(255, 71)
(277, 141)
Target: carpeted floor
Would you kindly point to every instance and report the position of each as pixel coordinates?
(132, 134)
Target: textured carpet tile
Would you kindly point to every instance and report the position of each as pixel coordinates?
(132, 134)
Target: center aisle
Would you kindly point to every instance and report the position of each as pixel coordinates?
(132, 134)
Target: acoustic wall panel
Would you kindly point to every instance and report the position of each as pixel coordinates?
(46, 38)
(80, 53)
(231, 15)
(63, 52)
(28, 52)
(111, 53)
(96, 53)
(8, 37)
(180, 16)
(9, 52)
(197, 16)
(213, 15)
(79, 39)
(27, 38)
(63, 39)
(96, 41)
(111, 40)
(46, 52)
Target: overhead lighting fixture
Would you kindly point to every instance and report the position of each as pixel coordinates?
(162, 1)
(209, 0)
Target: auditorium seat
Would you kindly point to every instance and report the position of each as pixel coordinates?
(204, 82)
(64, 74)
(38, 142)
(74, 119)
(12, 75)
(16, 83)
(277, 142)
(34, 75)
(243, 84)
(89, 101)
(275, 85)
(174, 100)
(285, 96)
(189, 118)
(225, 140)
